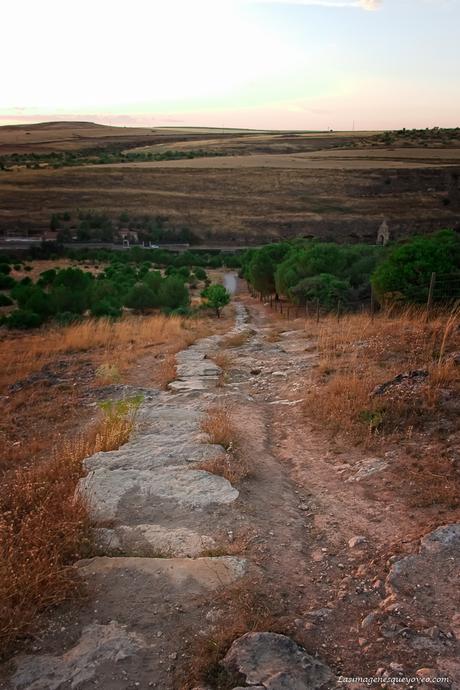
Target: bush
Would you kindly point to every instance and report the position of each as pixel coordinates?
(5, 269)
(38, 302)
(5, 301)
(325, 288)
(106, 308)
(173, 293)
(200, 273)
(23, 319)
(407, 270)
(141, 298)
(6, 282)
(67, 318)
(64, 299)
(47, 277)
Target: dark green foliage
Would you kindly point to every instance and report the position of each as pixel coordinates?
(106, 308)
(5, 269)
(63, 298)
(200, 273)
(216, 297)
(5, 301)
(38, 302)
(407, 270)
(47, 277)
(141, 298)
(325, 288)
(6, 282)
(23, 319)
(173, 293)
(153, 280)
(305, 270)
(67, 318)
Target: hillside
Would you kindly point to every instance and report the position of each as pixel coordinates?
(232, 186)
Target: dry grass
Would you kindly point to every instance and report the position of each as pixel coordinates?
(236, 340)
(433, 479)
(166, 370)
(358, 354)
(219, 426)
(225, 361)
(44, 528)
(247, 607)
(233, 466)
(119, 343)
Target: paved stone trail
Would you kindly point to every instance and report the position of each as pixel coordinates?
(154, 589)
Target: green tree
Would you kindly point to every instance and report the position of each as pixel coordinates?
(216, 297)
(407, 270)
(326, 288)
(173, 293)
(141, 298)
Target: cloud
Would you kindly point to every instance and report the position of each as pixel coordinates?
(369, 5)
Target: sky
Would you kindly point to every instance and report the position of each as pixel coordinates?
(262, 64)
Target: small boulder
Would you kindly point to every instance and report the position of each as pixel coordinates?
(275, 662)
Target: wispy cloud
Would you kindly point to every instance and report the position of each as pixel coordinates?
(370, 5)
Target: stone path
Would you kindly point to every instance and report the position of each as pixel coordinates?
(145, 497)
(155, 519)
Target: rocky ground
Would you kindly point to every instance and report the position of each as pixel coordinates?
(353, 591)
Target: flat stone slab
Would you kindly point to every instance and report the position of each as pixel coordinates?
(152, 540)
(276, 662)
(204, 367)
(193, 383)
(184, 574)
(98, 644)
(138, 490)
(151, 453)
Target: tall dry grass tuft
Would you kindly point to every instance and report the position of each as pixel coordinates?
(167, 368)
(220, 427)
(44, 528)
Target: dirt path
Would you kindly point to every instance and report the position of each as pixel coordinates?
(332, 524)
(314, 526)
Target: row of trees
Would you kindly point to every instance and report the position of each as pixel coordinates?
(306, 271)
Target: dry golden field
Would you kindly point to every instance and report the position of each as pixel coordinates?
(269, 185)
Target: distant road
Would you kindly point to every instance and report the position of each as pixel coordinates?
(24, 244)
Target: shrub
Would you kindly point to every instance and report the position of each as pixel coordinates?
(106, 308)
(173, 293)
(200, 273)
(6, 282)
(407, 270)
(66, 318)
(5, 269)
(141, 298)
(23, 319)
(325, 288)
(47, 277)
(5, 301)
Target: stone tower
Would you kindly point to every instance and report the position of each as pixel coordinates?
(383, 235)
